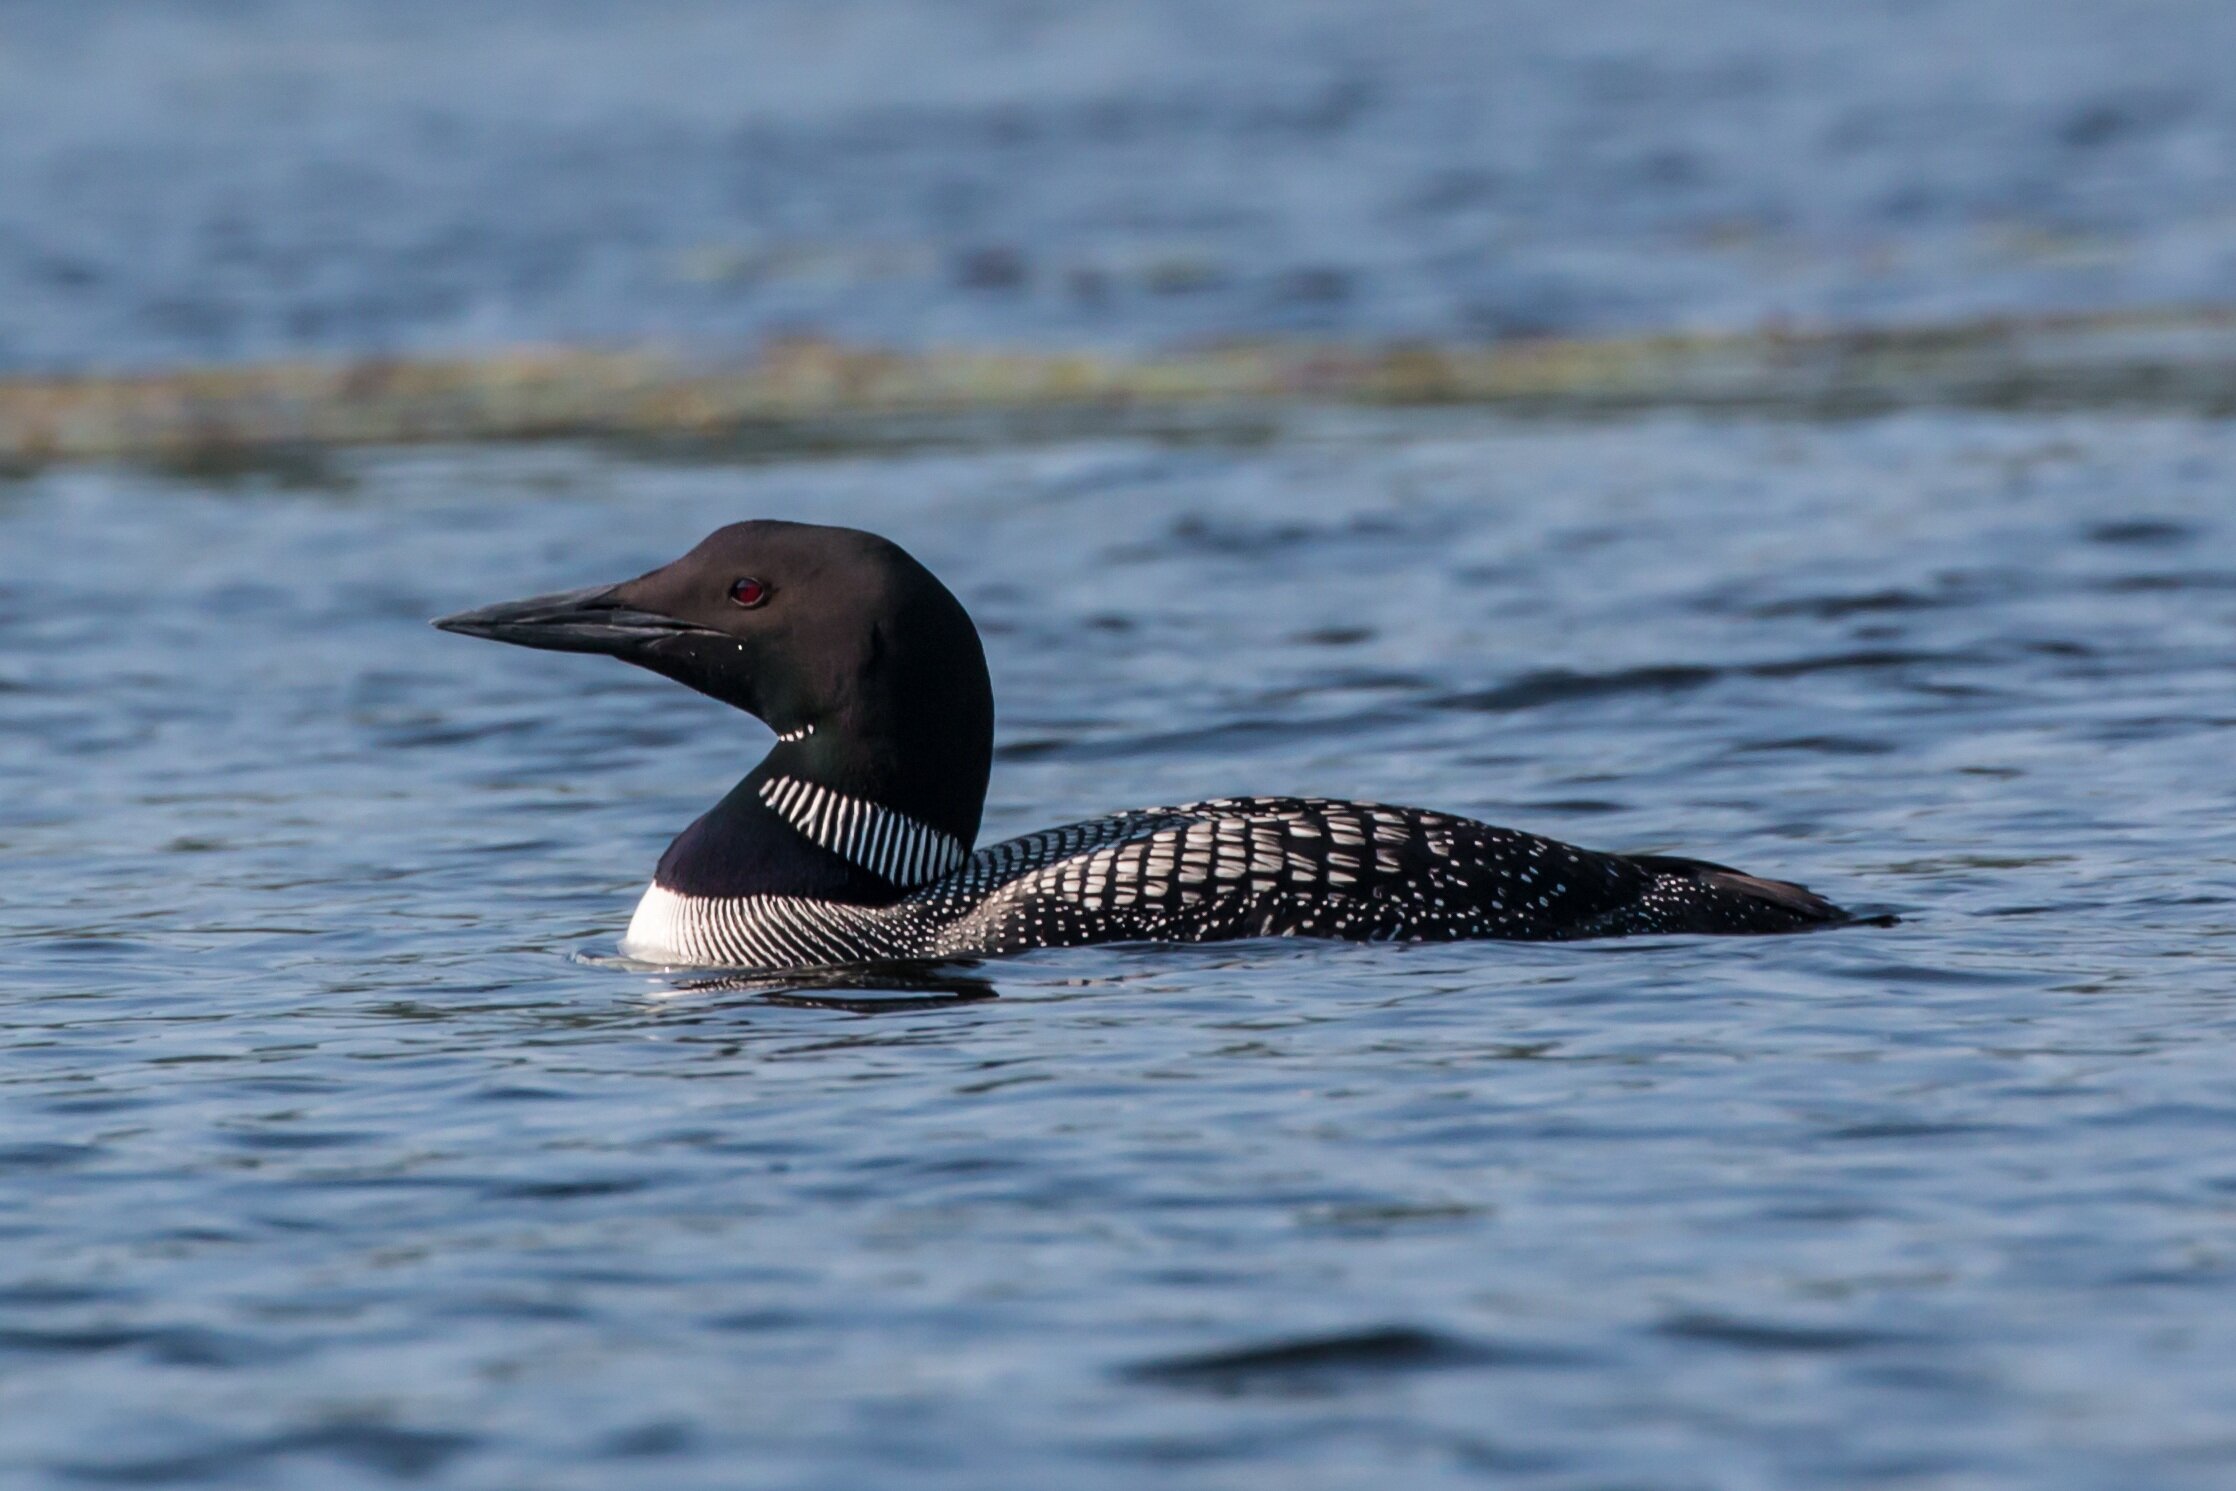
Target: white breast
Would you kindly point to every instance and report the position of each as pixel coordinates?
(763, 932)
(660, 929)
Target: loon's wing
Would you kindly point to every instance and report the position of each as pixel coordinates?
(1694, 889)
(1311, 867)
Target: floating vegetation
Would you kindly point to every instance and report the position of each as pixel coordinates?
(819, 392)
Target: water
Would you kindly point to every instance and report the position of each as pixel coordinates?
(335, 1151)
(218, 179)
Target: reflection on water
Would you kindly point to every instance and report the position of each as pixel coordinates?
(337, 1147)
(889, 990)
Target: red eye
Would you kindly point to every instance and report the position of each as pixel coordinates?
(748, 593)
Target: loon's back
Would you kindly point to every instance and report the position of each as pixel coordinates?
(850, 842)
(1232, 868)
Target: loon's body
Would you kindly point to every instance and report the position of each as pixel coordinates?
(850, 843)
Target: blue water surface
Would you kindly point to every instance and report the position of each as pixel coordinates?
(334, 1149)
(217, 179)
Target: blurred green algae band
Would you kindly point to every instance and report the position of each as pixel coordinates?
(811, 392)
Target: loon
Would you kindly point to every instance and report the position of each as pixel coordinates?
(851, 842)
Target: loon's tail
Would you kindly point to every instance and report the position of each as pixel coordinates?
(1709, 897)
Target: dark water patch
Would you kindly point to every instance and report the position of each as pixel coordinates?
(171, 1346)
(1238, 735)
(1930, 1377)
(85, 946)
(48, 1156)
(1838, 662)
(2144, 533)
(1194, 537)
(382, 1449)
(2209, 1275)
(1334, 636)
(1560, 686)
(1820, 1213)
(1897, 973)
(1823, 745)
(893, 988)
(586, 1188)
(513, 1307)
(2168, 581)
(1773, 1337)
(1031, 748)
(1867, 603)
(1324, 1361)
(297, 1139)
(1563, 686)
(51, 1296)
(657, 1439)
(1347, 680)
(754, 1321)
(1908, 1128)
(1367, 1216)
(419, 736)
(871, 1004)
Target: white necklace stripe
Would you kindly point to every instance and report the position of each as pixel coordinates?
(888, 838)
(868, 834)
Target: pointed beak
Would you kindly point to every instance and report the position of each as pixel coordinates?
(593, 619)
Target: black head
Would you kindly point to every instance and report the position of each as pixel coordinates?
(831, 635)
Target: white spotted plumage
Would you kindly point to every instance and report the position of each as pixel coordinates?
(1232, 867)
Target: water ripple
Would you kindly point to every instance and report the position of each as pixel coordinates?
(338, 1146)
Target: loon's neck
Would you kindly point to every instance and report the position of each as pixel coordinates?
(840, 812)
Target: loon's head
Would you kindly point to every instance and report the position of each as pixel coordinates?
(865, 665)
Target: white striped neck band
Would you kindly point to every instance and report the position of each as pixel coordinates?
(877, 838)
